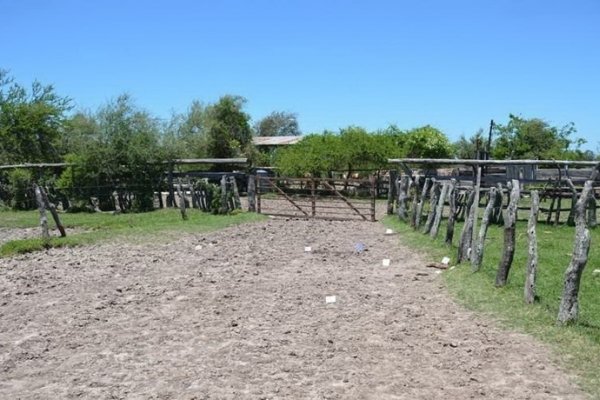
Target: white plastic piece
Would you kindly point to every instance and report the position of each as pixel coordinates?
(330, 299)
(388, 231)
(198, 248)
(307, 249)
(438, 272)
(445, 260)
(386, 262)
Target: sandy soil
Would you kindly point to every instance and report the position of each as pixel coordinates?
(242, 314)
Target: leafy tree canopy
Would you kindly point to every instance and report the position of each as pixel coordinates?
(425, 142)
(278, 123)
(229, 132)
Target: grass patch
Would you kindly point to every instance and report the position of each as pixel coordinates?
(577, 346)
(96, 227)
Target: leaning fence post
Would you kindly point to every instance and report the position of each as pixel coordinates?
(569, 304)
(53, 212)
(433, 200)
(452, 195)
(466, 234)
(421, 203)
(532, 258)
(251, 193)
(510, 222)
(439, 211)
(479, 247)
(42, 209)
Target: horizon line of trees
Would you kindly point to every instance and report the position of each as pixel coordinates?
(119, 145)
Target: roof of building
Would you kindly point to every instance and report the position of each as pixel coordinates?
(275, 140)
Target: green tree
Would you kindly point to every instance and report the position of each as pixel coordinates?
(533, 138)
(278, 123)
(229, 132)
(470, 148)
(425, 142)
(30, 122)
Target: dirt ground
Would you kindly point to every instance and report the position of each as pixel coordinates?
(242, 314)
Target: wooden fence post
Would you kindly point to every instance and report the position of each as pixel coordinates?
(421, 202)
(373, 197)
(439, 211)
(414, 206)
(475, 210)
(236, 194)
(181, 200)
(313, 199)
(53, 212)
(251, 193)
(392, 191)
(509, 235)
(479, 247)
(453, 195)
(532, 258)
(571, 217)
(591, 212)
(171, 195)
(403, 197)
(434, 195)
(42, 209)
(569, 304)
(497, 217)
(224, 207)
(466, 234)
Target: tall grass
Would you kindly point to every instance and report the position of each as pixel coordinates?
(577, 346)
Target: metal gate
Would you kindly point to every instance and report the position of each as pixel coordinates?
(336, 199)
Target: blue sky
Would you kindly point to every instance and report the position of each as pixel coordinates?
(452, 64)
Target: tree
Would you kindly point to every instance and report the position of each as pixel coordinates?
(278, 123)
(532, 138)
(229, 130)
(469, 148)
(425, 142)
(30, 123)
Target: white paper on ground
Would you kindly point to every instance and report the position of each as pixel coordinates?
(386, 262)
(330, 299)
(445, 260)
(307, 249)
(389, 231)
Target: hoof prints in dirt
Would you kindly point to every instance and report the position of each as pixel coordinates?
(242, 313)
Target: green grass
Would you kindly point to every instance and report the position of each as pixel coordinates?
(577, 346)
(94, 227)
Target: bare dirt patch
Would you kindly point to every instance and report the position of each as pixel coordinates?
(241, 313)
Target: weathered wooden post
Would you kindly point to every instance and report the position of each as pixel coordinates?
(236, 194)
(510, 222)
(171, 195)
(479, 248)
(571, 217)
(532, 258)
(403, 198)
(452, 196)
(373, 197)
(392, 191)
(224, 207)
(181, 201)
(497, 217)
(414, 206)
(569, 305)
(42, 209)
(464, 244)
(475, 210)
(434, 195)
(421, 203)
(251, 193)
(439, 210)
(313, 198)
(50, 206)
(591, 211)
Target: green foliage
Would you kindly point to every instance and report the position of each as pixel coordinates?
(278, 123)
(30, 123)
(426, 142)
(469, 148)
(353, 149)
(533, 139)
(20, 189)
(115, 149)
(229, 130)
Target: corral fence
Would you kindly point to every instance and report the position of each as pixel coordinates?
(334, 199)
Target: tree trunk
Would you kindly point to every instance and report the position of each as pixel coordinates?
(434, 195)
(569, 305)
(467, 232)
(452, 195)
(485, 222)
(422, 202)
(42, 208)
(510, 222)
(439, 211)
(532, 259)
(403, 197)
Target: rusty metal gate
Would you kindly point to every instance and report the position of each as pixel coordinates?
(336, 199)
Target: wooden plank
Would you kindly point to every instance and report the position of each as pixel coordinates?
(448, 161)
